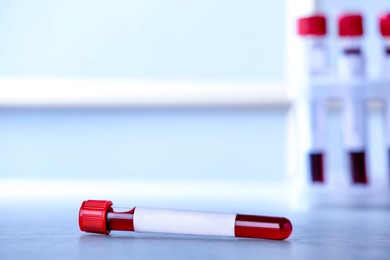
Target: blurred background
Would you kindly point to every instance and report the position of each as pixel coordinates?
(195, 41)
(188, 60)
(178, 104)
(159, 90)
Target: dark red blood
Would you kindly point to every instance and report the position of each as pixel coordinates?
(358, 167)
(121, 220)
(250, 226)
(316, 161)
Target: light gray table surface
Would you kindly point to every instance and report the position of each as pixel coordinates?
(350, 228)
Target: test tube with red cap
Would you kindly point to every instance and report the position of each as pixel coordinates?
(99, 216)
(313, 30)
(352, 73)
(384, 28)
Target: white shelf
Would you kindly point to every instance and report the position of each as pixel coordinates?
(139, 93)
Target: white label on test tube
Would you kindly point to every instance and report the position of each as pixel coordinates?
(317, 126)
(386, 76)
(183, 222)
(318, 67)
(387, 120)
(386, 67)
(318, 59)
(351, 68)
(354, 124)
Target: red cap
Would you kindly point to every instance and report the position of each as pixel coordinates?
(314, 25)
(93, 216)
(384, 21)
(350, 25)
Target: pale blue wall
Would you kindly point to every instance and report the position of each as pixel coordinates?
(217, 39)
(201, 39)
(217, 145)
(153, 39)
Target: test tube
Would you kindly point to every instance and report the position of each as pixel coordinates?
(313, 30)
(384, 28)
(99, 216)
(352, 72)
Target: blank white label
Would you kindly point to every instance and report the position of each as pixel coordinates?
(183, 222)
(354, 120)
(317, 113)
(318, 60)
(386, 76)
(387, 121)
(351, 66)
(386, 67)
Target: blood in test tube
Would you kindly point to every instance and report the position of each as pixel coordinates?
(358, 166)
(384, 28)
(99, 216)
(313, 29)
(352, 73)
(317, 167)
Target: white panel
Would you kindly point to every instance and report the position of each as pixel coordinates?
(351, 67)
(386, 67)
(354, 119)
(318, 118)
(183, 222)
(116, 93)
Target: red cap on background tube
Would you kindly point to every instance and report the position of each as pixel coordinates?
(314, 25)
(384, 25)
(351, 25)
(93, 216)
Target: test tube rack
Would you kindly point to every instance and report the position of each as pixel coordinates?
(333, 91)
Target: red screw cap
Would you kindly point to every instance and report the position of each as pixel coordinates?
(350, 25)
(314, 25)
(384, 24)
(93, 216)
